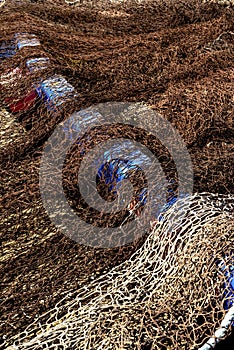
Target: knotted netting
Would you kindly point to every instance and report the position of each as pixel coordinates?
(169, 295)
(174, 292)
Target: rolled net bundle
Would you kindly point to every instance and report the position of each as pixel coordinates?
(170, 294)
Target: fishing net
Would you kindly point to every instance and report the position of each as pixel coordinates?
(169, 289)
(169, 294)
(148, 55)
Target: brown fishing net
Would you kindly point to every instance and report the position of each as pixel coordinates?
(163, 291)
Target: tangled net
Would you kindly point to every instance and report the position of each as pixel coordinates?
(177, 57)
(168, 295)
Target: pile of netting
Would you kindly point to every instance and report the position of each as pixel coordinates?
(168, 295)
(166, 290)
(177, 57)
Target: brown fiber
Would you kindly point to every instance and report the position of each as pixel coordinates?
(175, 56)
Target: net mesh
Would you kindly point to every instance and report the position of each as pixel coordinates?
(169, 294)
(161, 291)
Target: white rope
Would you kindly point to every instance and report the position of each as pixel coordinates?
(221, 332)
(2, 2)
(70, 2)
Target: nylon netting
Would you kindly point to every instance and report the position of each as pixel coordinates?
(165, 290)
(168, 295)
